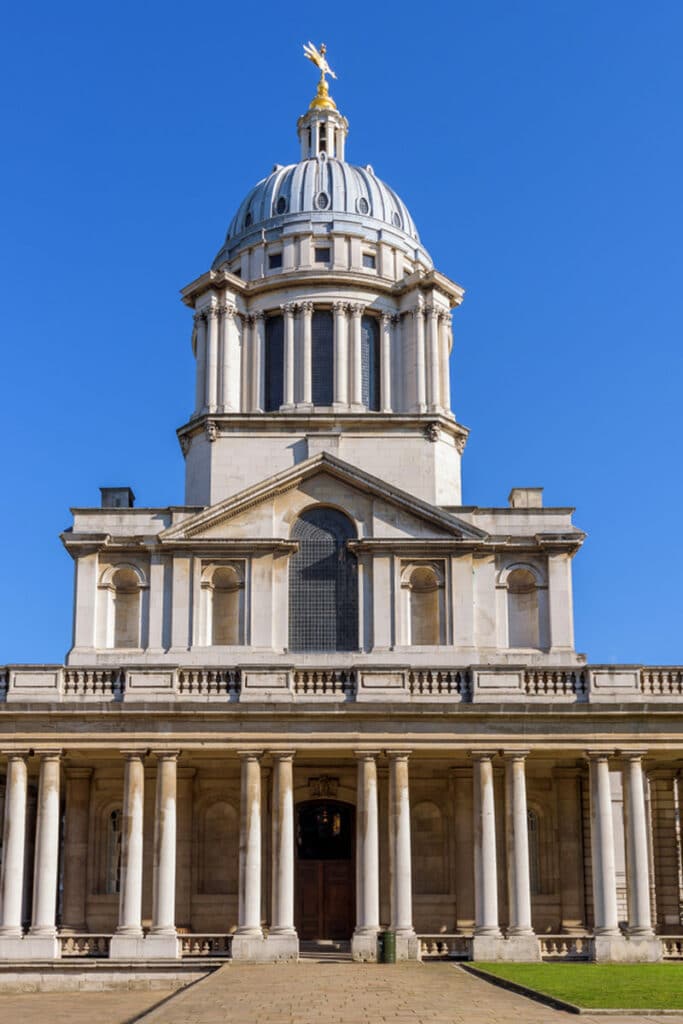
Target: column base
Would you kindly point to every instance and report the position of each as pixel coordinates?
(249, 947)
(617, 949)
(30, 947)
(364, 946)
(161, 947)
(407, 946)
(127, 947)
(281, 946)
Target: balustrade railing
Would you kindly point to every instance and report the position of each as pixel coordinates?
(209, 682)
(664, 681)
(93, 682)
(439, 682)
(565, 947)
(672, 946)
(325, 682)
(555, 682)
(84, 945)
(206, 944)
(445, 947)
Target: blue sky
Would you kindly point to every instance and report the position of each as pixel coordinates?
(538, 145)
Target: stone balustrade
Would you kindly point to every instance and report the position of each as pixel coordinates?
(445, 947)
(478, 684)
(205, 944)
(84, 945)
(565, 947)
(672, 946)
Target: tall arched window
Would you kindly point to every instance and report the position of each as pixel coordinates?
(523, 629)
(370, 362)
(323, 589)
(126, 608)
(274, 363)
(322, 358)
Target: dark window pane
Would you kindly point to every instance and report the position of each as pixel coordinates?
(322, 255)
(369, 260)
(274, 260)
(322, 358)
(323, 587)
(370, 361)
(324, 830)
(274, 362)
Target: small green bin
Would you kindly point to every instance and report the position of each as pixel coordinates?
(387, 947)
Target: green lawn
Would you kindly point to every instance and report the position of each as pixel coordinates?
(606, 986)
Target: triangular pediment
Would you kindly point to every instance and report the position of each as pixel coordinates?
(263, 510)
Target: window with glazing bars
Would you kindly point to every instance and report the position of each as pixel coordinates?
(323, 584)
(322, 357)
(370, 362)
(274, 367)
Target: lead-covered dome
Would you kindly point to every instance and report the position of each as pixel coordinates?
(325, 192)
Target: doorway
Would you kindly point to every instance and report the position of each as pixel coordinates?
(325, 896)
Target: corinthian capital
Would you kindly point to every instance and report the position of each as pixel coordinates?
(306, 307)
(228, 309)
(288, 308)
(340, 307)
(199, 317)
(211, 312)
(357, 308)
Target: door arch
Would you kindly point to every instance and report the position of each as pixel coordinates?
(325, 869)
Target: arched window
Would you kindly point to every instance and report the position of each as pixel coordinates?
(523, 629)
(370, 361)
(274, 363)
(112, 883)
(322, 358)
(423, 585)
(223, 607)
(534, 853)
(323, 589)
(126, 586)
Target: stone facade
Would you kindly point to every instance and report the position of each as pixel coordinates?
(323, 698)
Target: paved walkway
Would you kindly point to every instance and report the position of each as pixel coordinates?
(347, 993)
(77, 1007)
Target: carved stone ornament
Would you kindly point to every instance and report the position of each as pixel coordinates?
(431, 432)
(185, 442)
(211, 428)
(323, 785)
(460, 442)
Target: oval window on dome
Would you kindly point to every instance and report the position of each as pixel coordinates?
(396, 220)
(322, 200)
(281, 205)
(363, 206)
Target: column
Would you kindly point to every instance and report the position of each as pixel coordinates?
(486, 929)
(13, 846)
(247, 941)
(77, 820)
(288, 310)
(606, 930)
(282, 936)
(444, 359)
(434, 394)
(341, 355)
(419, 341)
(127, 942)
(211, 395)
(162, 940)
(364, 942)
(200, 356)
(47, 852)
(517, 844)
(231, 368)
(258, 366)
(245, 361)
(356, 354)
(307, 344)
(637, 868)
(385, 363)
(399, 856)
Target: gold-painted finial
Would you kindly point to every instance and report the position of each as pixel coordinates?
(322, 99)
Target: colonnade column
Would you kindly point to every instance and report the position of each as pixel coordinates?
(419, 347)
(288, 311)
(258, 367)
(127, 942)
(400, 857)
(43, 923)
(200, 357)
(385, 362)
(229, 361)
(487, 934)
(282, 938)
(607, 936)
(434, 395)
(521, 934)
(162, 940)
(637, 867)
(444, 358)
(306, 362)
(211, 394)
(341, 355)
(248, 939)
(13, 849)
(364, 941)
(356, 309)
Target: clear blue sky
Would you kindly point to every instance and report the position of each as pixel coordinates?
(539, 147)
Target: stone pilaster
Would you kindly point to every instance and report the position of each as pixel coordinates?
(282, 941)
(364, 941)
(407, 945)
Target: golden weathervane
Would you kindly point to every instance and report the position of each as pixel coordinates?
(322, 100)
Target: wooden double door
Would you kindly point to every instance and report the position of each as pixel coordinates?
(325, 877)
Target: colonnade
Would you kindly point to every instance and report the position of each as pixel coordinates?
(230, 350)
(281, 941)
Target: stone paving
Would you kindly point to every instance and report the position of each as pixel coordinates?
(77, 1007)
(347, 993)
